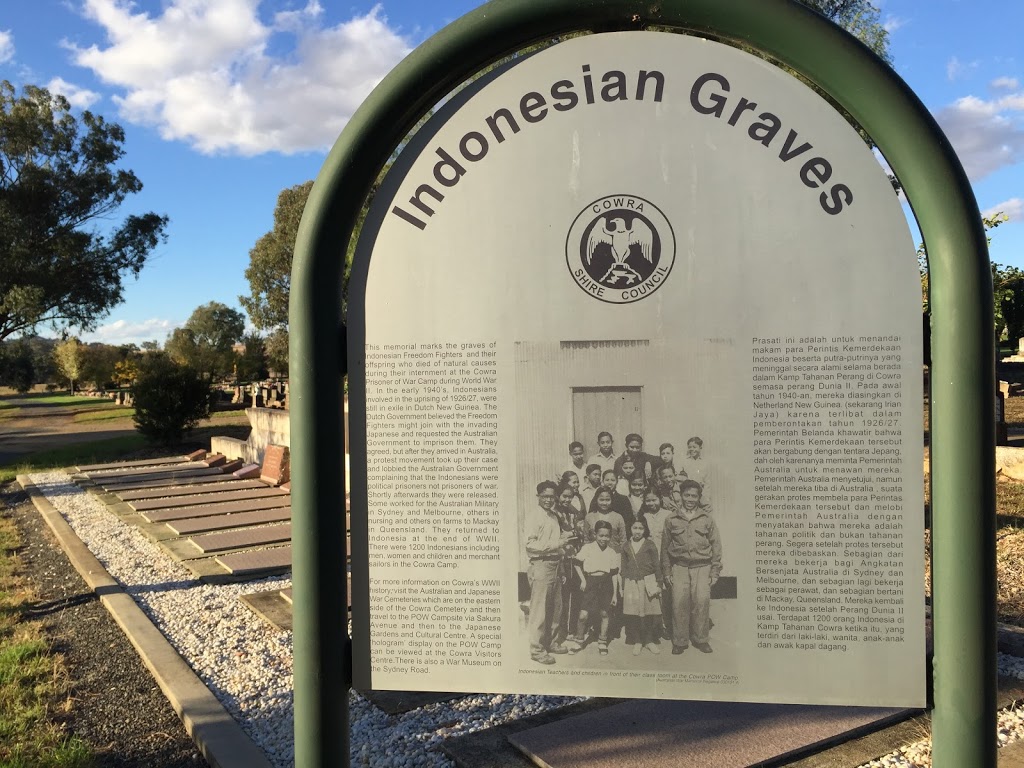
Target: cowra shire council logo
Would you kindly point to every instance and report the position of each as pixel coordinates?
(620, 249)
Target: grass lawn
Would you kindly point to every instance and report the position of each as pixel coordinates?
(105, 414)
(33, 680)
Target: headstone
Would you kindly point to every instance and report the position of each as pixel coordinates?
(215, 459)
(196, 455)
(1000, 414)
(247, 472)
(275, 465)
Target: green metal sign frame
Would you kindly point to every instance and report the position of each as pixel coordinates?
(962, 371)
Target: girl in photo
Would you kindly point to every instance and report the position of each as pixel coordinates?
(642, 581)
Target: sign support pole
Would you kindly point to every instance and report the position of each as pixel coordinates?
(962, 373)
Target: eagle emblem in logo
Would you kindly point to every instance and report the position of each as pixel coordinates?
(620, 249)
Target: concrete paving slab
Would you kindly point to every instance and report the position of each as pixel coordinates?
(194, 499)
(223, 522)
(270, 607)
(172, 491)
(246, 537)
(490, 748)
(649, 733)
(208, 510)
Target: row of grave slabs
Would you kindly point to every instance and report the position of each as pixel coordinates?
(223, 521)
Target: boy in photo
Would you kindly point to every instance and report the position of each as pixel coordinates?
(605, 456)
(590, 485)
(597, 567)
(691, 560)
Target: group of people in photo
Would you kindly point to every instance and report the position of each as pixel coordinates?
(623, 542)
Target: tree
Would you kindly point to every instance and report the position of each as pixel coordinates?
(99, 361)
(170, 399)
(206, 340)
(861, 18)
(16, 368)
(251, 364)
(69, 357)
(270, 261)
(58, 180)
(126, 372)
(277, 351)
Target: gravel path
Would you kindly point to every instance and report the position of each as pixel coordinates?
(248, 666)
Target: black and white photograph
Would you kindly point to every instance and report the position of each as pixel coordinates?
(627, 518)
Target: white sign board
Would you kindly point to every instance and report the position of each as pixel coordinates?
(644, 234)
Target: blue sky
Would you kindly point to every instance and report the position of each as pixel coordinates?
(227, 102)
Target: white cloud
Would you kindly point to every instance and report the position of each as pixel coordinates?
(1013, 208)
(78, 97)
(892, 23)
(986, 134)
(124, 332)
(958, 69)
(1006, 83)
(6, 46)
(217, 76)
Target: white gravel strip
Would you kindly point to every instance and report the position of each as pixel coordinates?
(247, 664)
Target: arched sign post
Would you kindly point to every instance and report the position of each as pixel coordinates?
(642, 244)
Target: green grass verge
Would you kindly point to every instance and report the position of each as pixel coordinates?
(43, 398)
(32, 679)
(94, 452)
(105, 414)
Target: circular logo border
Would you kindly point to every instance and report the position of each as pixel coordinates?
(572, 248)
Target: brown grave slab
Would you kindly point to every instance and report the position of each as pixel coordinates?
(275, 465)
(247, 472)
(192, 500)
(230, 467)
(215, 459)
(653, 733)
(172, 491)
(172, 482)
(257, 561)
(246, 537)
(189, 526)
(136, 463)
(198, 455)
(142, 480)
(136, 472)
(209, 510)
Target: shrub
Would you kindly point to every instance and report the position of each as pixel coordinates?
(16, 367)
(170, 399)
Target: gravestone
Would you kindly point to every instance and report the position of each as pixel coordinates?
(275, 465)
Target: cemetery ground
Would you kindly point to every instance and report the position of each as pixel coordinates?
(81, 696)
